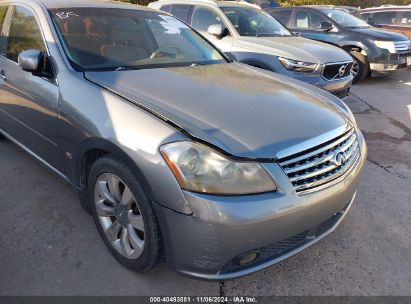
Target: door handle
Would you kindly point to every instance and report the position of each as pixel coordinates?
(3, 75)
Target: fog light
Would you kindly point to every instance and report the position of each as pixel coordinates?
(248, 258)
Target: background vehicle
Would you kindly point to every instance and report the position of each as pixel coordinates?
(393, 18)
(174, 149)
(250, 35)
(374, 50)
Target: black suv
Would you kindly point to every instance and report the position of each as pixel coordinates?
(375, 51)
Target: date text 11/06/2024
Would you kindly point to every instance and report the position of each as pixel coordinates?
(222, 299)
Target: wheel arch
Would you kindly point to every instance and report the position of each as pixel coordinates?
(89, 152)
(355, 46)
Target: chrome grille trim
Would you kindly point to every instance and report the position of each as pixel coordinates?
(333, 144)
(317, 169)
(402, 45)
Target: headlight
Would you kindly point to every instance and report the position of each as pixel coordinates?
(387, 45)
(298, 66)
(200, 169)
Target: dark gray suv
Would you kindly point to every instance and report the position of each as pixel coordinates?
(220, 168)
(375, 51)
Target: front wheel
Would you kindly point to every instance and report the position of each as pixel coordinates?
(360, 68)
(124, 215)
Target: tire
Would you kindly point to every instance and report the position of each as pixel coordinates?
(361, 66)
(134, 236)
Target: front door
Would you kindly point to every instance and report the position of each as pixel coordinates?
(28, 103)
(202, 18)
(306, 24)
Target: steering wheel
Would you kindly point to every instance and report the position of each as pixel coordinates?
(162, 50)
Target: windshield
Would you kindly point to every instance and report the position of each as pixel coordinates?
(345, 19)
(254, 22)
(119, 39)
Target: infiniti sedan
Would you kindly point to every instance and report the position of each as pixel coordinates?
(219, 168)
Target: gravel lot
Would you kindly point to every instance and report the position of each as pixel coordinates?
(49, 246)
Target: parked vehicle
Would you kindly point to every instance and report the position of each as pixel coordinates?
(393, 18)
(249, 35)
(375, 51)
(175, 150)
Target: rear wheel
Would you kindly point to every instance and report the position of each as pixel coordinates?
(361, 67)
(124, 215)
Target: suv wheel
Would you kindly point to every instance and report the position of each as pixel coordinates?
(124, 215)
(361, 67)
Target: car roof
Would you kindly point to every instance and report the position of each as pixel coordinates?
(214, 3)
(55, 4)
(387, 8)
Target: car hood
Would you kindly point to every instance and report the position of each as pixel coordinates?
(242, 110)
(377, 33)
(297, 48)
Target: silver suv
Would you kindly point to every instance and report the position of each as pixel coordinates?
(221, 168)
(249, 35)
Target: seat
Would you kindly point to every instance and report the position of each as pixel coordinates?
(85, 48)
(302, 20)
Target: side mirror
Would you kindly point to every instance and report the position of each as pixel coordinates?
(29, 60)
(216, 30)
(325, 26)
(35, 62)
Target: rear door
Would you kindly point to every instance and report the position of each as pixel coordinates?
(28, 103)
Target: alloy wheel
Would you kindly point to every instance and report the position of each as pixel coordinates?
(119, 215)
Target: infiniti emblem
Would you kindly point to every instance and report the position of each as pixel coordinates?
(339, 158)
(341, 71)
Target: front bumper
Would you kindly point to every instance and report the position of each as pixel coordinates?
(207, 244)
(390, 63)
(335, 86)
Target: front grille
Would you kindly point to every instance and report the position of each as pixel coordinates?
(342, 94)
(402, 45)
(337, 70)
(322, 165)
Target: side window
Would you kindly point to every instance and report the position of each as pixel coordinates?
(283, 16)
(3, 12)
(166, 8)
(406, 18)
(384, 18)
(181, 12)
(309, 20)
(24, 33)
(203, 18)
(365, 16)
